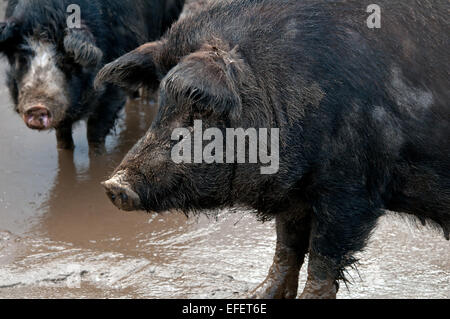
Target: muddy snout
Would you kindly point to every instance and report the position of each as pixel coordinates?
(122, 195)
(38, 118)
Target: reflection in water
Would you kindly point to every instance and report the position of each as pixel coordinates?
(77, 209)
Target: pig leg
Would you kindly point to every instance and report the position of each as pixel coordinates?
(64, 137)
(292, 245)
(322, 283)
(101, 122)
(339, 229)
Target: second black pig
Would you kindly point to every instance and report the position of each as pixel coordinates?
(53, 63)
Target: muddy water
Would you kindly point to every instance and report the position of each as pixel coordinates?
(61, 238)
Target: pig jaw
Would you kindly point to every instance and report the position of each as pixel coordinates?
(121, 193)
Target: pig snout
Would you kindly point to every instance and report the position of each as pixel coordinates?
(38, 118)
(122, 195)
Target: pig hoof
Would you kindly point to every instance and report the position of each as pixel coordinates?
(308, 295)
(121, 195)
(320, 290)
(272, 290)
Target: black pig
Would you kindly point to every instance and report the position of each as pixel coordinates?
(53, 64)
(363, 113)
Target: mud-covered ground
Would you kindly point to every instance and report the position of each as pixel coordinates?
(61, 238)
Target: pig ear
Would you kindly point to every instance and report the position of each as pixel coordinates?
(9, 32)
(81, 45)
(209, 80)
(133, 70)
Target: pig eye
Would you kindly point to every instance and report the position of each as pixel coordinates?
(199, 112)
(23, 55)
(67, 65)
(21, 60)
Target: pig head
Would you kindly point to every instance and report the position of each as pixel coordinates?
(203, 85)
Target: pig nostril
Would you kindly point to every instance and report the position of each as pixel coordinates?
(121, 194)
(112, 196)
(38, 117)
(123, 197)
(38, 111)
